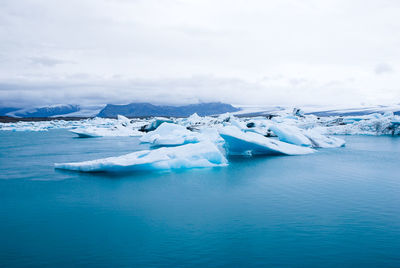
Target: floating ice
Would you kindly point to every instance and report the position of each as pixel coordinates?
(321, 141)
(169, 134)
(237, 123)
(291, 127)
(198, 155)
(195, 119)
(125, 121)
(211, 134)
(116, 131)
(122, 127)
(155, 123)
(89, 132)
(290, 134)
(250, 143)
(369, 126)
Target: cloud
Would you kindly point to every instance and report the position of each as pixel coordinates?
(383, 68)
(249, 52)
(46, 61)
(85, 89)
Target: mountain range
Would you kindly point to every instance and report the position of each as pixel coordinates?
(141, 109)
(111, 110)
(148, 109)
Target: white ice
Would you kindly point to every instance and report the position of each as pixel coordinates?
(169, 134)
(155, 122)
(198, 155)
(117, 131)
(238, 142)
(322, 141)
(122, 127)
(290, 134)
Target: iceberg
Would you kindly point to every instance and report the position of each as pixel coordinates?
(155, 123)
(211, 134)
(250, 143)
(237, 123)
(194, 121)
(197, 155)
(381, 126)
(121, 128)
(116, 131)
(125, 121)
(89, 132)
(169, 134)
(289, 126)
(321, 141)
(290, 134)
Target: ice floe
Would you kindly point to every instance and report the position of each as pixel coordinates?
(238, 142)
(154, 123)
(322, 141)
(122, 127)
(206, 141)
(197, 155)
(288, 125)
(169, 134)
(116, 131)
(290, 134)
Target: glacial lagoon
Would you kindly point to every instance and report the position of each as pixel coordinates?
(335, 207)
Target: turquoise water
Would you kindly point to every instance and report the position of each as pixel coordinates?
(338, 207)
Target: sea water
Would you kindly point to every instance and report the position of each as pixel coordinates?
(337, 207)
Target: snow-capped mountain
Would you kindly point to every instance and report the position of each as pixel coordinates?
(45, 111)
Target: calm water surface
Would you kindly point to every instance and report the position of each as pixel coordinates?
(337, 207)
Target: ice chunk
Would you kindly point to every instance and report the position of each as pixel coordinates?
(380, 126)
(290, 134)
(237, 123)
(194, 118)
(298, 112)
(250, 143)
(230, 120)
(123, 120)
(321, 141)
(388, 114)
(100, 127)
(198, 155)
(155, 123)
(116, 131)
(88, 132)
(169, 134)
(211, 134)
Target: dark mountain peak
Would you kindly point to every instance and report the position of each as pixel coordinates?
(142, 109)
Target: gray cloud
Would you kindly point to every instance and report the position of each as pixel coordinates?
(250, 52)
(91, 90)
(46, 61)
(383, 68)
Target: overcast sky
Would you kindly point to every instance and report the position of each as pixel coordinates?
(173, 51)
